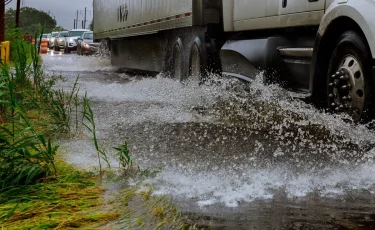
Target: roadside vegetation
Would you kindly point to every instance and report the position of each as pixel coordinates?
(38, 189)
(31, 20)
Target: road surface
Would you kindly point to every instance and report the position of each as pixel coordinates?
(230, 158)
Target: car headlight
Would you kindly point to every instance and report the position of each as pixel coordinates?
(61, 40)
(71, 40)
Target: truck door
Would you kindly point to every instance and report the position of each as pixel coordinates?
(249, 9)
(300, 12)
(249, 14)
(300, 6)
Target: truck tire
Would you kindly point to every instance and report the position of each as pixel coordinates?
(105, 48)
(198, 61)
(349, 80)
(177, 67)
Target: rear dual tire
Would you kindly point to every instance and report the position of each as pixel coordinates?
(196, 71)
(177, 69)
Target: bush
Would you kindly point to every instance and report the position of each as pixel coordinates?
(26, 152)
(15, 36)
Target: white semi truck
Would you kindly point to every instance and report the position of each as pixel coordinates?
(322, 49)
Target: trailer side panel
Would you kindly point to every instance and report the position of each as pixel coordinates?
(126, 18)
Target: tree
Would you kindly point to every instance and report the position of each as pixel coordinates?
(31, 20)
(59, 28)
(91, 26)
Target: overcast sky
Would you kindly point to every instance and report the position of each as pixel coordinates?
(64, 10)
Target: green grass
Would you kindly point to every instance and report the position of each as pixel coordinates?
(89, 123)
(123, 153)
(71, 200)
(139, 209)
(36, 190)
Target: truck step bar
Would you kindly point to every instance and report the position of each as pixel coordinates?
(297, 52)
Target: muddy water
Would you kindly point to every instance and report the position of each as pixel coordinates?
(231, 158)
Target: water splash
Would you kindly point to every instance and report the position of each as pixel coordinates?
(229, 188)
(226, 142)
(74, 63)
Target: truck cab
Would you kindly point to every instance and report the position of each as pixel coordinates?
(322, 50)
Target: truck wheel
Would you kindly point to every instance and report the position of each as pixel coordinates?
(177, 62)
(350, 85)
(197, 62)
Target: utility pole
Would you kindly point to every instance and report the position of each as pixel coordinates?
(18, 13)
(85, 20)
(74, 26)
(2, 20)
(77, 21)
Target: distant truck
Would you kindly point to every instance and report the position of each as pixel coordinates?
(322, 49)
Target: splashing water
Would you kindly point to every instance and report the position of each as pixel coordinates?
(55, 62)
(297, 149)
(230, 147)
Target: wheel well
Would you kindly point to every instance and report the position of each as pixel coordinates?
(325, 46)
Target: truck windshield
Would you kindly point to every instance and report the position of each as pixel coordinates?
(75, 33)
(88, 36)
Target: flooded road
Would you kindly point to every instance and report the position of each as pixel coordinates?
(230, 158)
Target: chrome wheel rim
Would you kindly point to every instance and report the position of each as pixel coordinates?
(195, 68)
(347, 88)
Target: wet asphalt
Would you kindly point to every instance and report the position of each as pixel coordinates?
(229, 158)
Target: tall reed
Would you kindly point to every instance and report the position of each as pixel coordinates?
(37, 61)
(125, 161)
(89, 123)
(25, 154)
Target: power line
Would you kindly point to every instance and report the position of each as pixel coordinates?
(9, 1)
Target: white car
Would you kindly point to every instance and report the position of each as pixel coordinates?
(59, 42)
(51, 40)
(71, 39)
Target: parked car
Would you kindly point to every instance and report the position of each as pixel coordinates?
(86, 44)
(60, 40)
(51, 43)
(71, 39)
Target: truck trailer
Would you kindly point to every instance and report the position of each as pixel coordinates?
(324, 50)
